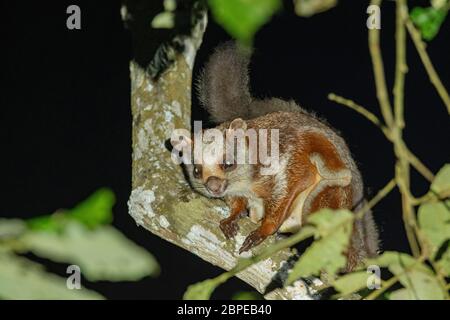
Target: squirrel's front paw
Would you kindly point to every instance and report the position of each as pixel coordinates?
(229, 228)
(252, 240)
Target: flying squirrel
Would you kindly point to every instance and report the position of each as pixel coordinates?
(316, 169)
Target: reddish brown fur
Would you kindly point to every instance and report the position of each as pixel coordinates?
(301, 175)
(333, 197)
(317, 143)
(238, 207)
(225, 94)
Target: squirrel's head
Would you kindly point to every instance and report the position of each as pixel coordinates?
(218, 165)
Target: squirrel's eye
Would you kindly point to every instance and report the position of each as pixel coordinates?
(196, 172)
(228, 165)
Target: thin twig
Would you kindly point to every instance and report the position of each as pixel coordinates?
(400, 65)
(402, 172)
(378, 68)
(380, 195)
(415, 162)
(432, 74)
(386, 285)
(361, 110)
(418, 165)
(409, 219)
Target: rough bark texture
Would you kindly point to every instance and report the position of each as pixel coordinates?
(161, 200)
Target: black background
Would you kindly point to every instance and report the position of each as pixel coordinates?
(65, 120)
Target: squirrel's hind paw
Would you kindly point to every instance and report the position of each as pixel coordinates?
(252, 240)
(229, 228)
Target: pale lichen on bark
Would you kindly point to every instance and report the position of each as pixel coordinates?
(161, 200)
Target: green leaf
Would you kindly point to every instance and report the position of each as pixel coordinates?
(203, 290)
(307, 8)
(54, 222)
(441, 183)
(92, 212)
(396, 262)
(164, 20)
(444, 262)
(413, 275)
(326, 221)
(323, 255)
(327, 253)
(243, 18)
(23, 279)
(434, 222)
(10, 228)
(422, 286)
(170, 5)
(428, 20)
(247, 295)
(95, 210)
(401, 294)
(352, 282)
(102, 254)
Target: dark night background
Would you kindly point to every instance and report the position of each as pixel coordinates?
(65, 124)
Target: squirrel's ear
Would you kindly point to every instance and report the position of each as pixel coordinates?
(238, 124)
(180, 140)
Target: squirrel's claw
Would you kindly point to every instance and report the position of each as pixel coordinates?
(229, 228)
(252, 240)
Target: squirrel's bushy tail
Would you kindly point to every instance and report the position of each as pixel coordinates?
(223, 87)
(364, 243)
(365, 240)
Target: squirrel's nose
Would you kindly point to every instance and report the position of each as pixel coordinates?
(216, 185)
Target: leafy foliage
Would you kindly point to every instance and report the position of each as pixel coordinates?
(247, 295)
(21, 278)
(203, 290)
(10, 228)
(165, 19)
(326, 254)
(444, 263)
(434, 220)
(92, 212)
(441, 183)
(428, 20)
(417, 278)
(242, 18)
(102, 254)
(351, 283)
(79, 236)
